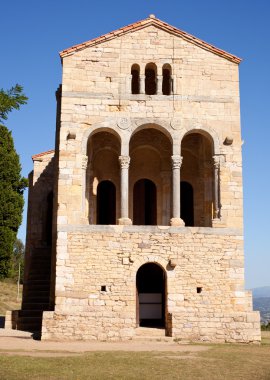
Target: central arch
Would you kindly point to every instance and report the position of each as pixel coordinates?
(187, 203)
(145, 203)
(106, 203)
(151, 291)
(149, 176)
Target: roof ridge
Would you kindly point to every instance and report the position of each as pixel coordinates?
(151, 20)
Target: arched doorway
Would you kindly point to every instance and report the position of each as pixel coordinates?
(145, 203)
(150, 285)
(106, 203)
(187, 204)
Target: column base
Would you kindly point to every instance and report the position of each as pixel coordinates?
(124, 221)
(218, 223)
(178, 222)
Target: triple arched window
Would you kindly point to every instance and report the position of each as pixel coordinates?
(149, 82)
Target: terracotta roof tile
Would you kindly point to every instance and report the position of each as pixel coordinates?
(158, 23)
(36, 156)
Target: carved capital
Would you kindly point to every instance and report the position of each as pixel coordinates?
(124, 162)
(84, 162)
(176, 161)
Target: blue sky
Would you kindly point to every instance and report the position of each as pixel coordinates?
(33, 32)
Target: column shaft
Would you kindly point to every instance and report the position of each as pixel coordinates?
(142, 84)
(176, 212)
(159, 84)
(124, 164)
(216, 187)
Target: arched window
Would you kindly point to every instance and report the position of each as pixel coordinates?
(197, 169)
(145, 203)
(106, 203)
(102, 178)
(150, 79)
(135, 79)
(166, 80)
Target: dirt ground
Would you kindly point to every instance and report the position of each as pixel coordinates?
(22, 343)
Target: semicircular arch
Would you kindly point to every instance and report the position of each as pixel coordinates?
(207, 132)
(140, 261)
(97, 129)
(154, 126)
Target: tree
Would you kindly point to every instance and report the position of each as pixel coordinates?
(12, 184)
(17, 260)
(11, 99)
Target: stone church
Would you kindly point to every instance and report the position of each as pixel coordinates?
(135, 220)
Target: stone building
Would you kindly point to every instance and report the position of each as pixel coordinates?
(135, 219)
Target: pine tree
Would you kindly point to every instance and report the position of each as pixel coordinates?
(11, 182)
(11, 99)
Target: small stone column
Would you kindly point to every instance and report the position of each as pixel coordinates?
(176, 212)
(216, 160)
(84, 171)
(124, 164)
(159, 84)
(142, 84)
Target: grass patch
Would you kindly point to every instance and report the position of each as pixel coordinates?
(8, 296)
(266, 337)
(221, 362)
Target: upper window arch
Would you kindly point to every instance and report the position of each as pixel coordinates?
(135, 79)
(150, 79)
(166, 79)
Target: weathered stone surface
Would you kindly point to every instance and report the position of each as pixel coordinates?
(107, 133)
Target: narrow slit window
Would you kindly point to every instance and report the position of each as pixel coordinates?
(166, 80)
(150, 79)
(135, 79)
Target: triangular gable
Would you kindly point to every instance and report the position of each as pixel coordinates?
(151, 20)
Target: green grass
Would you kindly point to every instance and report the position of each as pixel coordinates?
(220, 362)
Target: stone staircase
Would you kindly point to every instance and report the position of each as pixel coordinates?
(151, 334)
(36, 292)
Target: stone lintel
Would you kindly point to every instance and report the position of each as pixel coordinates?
(150, 229)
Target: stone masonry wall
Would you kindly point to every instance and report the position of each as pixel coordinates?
(96, 95)
(95, 256)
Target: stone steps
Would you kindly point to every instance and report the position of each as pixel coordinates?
(36, 293)
(141, 331)
(31, 324)
(35, 306)
(150, 334)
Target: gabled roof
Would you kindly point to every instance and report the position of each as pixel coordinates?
(151, 20)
